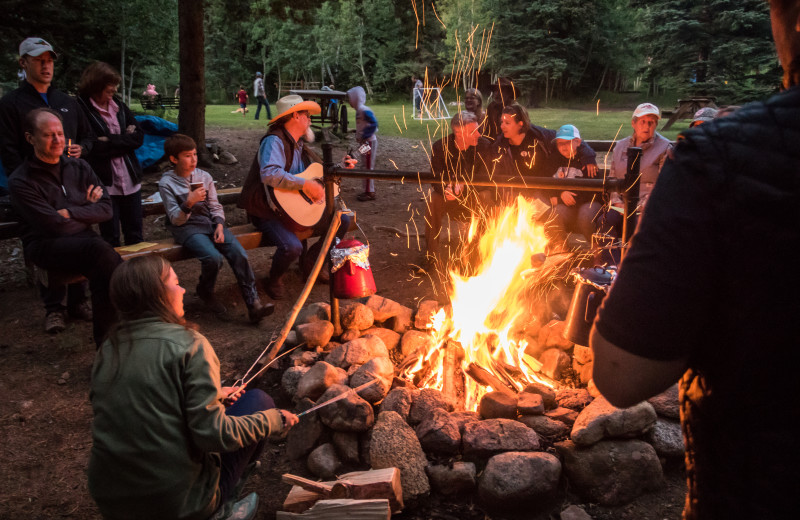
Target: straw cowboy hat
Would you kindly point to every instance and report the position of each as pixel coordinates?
(294, 103)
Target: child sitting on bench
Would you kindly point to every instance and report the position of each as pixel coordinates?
(197, 222)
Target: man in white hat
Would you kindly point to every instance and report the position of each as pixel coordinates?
(281, 157)
(36, 57)
(655, 150)
(261, 95)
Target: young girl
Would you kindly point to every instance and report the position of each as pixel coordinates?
(163, 443)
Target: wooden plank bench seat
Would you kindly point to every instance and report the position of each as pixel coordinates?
(159, 102)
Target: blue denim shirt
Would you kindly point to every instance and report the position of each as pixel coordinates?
(272, 161)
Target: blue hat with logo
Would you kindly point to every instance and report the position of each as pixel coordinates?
(568, 133)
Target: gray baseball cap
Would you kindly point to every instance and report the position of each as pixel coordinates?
(35, 47)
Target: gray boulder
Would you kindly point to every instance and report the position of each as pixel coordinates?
(611, 472)
(497, 405)
(399, 400)
(316, 334)
(573, 398)
(351, 414)
(356, 316)
(483, 439)
(667, 438)
(379, 367)
(439, 433)
(519, 481)
(357, 352)
(319, 378)
(323, 462)
(452, 480)
(346, 445)
(667, 403)
(314, 312)
(545, 426)
(290, 379)
(602, 420)
(427, 400)
(394, 444)
(389, 337)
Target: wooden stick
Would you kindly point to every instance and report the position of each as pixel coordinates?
(312, 278)
(338, 490)
(486, 378)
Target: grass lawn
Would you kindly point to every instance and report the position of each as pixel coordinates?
(395, 120)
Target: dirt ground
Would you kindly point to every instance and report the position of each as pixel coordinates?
(45, 418)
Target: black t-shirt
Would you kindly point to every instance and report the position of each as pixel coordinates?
(521, 162)
(454, 166)
(568, 169)
(710, 276)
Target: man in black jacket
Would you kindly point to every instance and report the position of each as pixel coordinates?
(705, 295)
(59, 199)
(37, 60)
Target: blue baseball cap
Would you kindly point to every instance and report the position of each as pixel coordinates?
(568, 133)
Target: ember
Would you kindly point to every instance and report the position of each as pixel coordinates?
(488, 308)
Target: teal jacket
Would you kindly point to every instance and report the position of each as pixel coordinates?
(159, 425)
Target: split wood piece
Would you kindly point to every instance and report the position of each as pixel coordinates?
(486, 378)
(376, 509)
(454, 386)
(376, 483)
(338, 489)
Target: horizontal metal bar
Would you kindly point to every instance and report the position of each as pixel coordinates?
(597, 184)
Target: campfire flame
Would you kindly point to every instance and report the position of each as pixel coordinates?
(489, 306)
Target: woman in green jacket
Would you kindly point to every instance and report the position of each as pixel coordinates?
(164, 444)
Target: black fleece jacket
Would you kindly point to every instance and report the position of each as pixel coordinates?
(15, 105)
(122, 144)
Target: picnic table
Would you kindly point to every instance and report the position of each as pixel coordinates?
(687, 107)
(334, 108)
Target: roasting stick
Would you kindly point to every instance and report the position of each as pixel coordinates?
(268, 354)
(339, 397)
(274, 346)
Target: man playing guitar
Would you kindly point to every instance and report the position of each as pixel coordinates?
(280, 159)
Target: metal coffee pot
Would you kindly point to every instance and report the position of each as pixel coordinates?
(591, 286)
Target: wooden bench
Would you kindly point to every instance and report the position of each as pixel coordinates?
(159, 102)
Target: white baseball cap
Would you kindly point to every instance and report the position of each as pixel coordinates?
(35, 47)
(647, 109)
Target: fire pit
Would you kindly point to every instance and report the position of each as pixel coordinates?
(482, 394)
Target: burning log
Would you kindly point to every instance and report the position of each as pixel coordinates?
(486, 378)
(454, 385)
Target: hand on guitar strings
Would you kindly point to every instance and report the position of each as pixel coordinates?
(314, 190)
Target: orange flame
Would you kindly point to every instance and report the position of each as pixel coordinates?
(489, 307)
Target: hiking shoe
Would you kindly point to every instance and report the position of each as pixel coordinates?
(259, 311)
(275, 288)
(55, 322)
(244, 509)
(212, 304)
(81, 311)
(366, 196)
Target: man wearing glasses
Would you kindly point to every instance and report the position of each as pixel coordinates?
(281, 157)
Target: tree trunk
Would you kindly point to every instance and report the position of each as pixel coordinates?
(192, 111)
(122, 68)
(361, 60)
(602, 79)
(130, 84)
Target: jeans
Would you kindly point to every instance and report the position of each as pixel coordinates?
(211, 255)
(369, 163)
(128, 213)
(579, 218)
(263, 101)
(289, 247)
(234, 463)
(89, 255)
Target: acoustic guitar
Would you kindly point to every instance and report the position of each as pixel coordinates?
(296, 209)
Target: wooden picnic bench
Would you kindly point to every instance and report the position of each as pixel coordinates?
(159, 102)
(686, 109)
